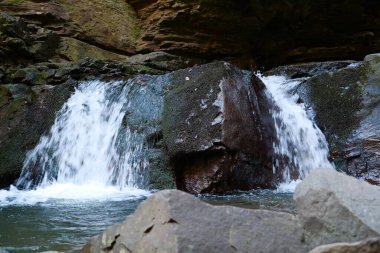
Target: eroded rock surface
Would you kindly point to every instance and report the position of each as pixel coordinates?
(173, 221)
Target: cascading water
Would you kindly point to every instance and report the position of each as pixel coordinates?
(300, 146)
(85, 143)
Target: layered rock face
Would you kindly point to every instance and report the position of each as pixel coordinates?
(268, 33)
(69, 30)
(244, 32)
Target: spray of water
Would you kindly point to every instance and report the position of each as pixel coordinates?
(300, 146)
(89, 148)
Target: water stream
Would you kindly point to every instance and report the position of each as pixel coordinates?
(88, 172)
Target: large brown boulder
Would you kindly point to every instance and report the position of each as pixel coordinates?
(217, 129)
(174, 221)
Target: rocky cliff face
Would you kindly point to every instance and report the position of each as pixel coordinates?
(245, 32)
(266, 32)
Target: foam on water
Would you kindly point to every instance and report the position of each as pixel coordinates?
(300, 146)
(92, 191)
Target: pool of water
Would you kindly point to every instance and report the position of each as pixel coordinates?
(67, 224)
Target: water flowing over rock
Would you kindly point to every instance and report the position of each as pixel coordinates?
(366, 246)
(105, 132)
(215, 131)
(334, 207)
(299, 146)
(346, 106)
(173, 221)
(26, 113)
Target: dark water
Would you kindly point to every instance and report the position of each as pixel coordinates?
(258, 199)
(63, 225)
(66, 225)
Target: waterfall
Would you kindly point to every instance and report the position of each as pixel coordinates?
(89, 143)
(300, 146)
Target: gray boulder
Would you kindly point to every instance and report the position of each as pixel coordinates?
(174, 221)
(333, 207)
(366, 246)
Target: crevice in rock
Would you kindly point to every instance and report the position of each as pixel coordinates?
(109, 248)
(149, 229)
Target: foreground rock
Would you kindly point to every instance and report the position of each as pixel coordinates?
(366, 246)
(173, 221)
(217, 129)
(334, 207)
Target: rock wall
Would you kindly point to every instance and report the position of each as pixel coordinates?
(247, 33)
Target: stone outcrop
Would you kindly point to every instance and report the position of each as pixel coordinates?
(217, 130)
(173, 221)
(267, 33)
(70, 30)
(334, 207)
(26, 113)
(366, 246)
(346, 104)
(245, 32)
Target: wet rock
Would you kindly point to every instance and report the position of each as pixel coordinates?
(69, 29)
(215, 129)
(310, 69)
(163, 223)
(26, 113)
(366, 246)
(163, 61)
(334, 207)
(15, 39)
(346, 105)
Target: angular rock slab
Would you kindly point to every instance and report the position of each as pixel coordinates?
(366, 246)
(174, 221)
(334, 207)
(217, 129)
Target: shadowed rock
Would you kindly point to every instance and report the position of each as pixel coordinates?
(217, 129)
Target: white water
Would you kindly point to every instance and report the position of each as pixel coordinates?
(301, 145)
(88, 154)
